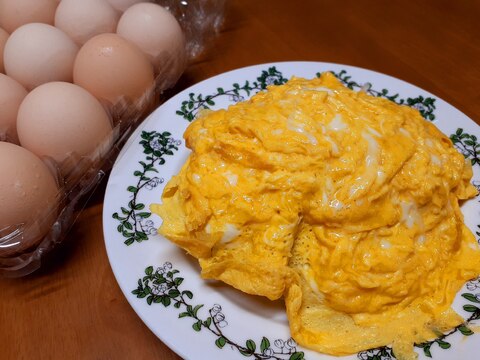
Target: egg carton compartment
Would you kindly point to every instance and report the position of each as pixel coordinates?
(21, 250)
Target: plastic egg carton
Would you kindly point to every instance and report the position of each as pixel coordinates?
(64, 182)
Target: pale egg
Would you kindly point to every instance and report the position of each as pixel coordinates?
(113, 69)
(15, 13)
(158, 34)
(123, 5)
(29, 196)
(3, 40)
(62, 120)
(82, 20)
(11, 96)
(39, 53)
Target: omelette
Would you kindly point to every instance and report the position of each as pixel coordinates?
(344, 204)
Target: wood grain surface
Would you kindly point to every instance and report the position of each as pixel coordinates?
(72, 308)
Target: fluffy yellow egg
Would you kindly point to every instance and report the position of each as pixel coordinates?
(345, 204)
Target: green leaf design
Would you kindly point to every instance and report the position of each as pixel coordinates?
(297, 356)
(195, 310)
(468, 145)
(144, 215)
(471, 297)
(140, 236)
(197, 326)
(161, 287)
(251, 345)
(139, 206)
(426, 351)
(157, 146)
(220, 342)
(470, 308)
(173, 293)
(207, 322)
(188, 294)
(245, 353)
(166, 301)
(265, 344)
(443, 344)
(465, 330)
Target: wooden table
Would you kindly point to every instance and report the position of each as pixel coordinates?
(73, 308)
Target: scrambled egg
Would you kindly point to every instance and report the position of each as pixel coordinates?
(343, 203)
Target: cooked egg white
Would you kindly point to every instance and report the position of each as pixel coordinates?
(343, 203)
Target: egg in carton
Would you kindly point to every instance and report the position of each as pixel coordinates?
(75, 80)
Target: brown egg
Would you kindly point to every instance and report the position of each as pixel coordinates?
(11, 96)
(3, 40)
(29, 198)
(38, 53)
(15, 13)
(82, 20)
(113, 69)
(123, 5)
(62, 120)
(158, 34)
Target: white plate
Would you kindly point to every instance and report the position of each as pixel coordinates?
(238, 322)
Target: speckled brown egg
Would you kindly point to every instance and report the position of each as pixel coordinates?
(29, 196)
(113, 69)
